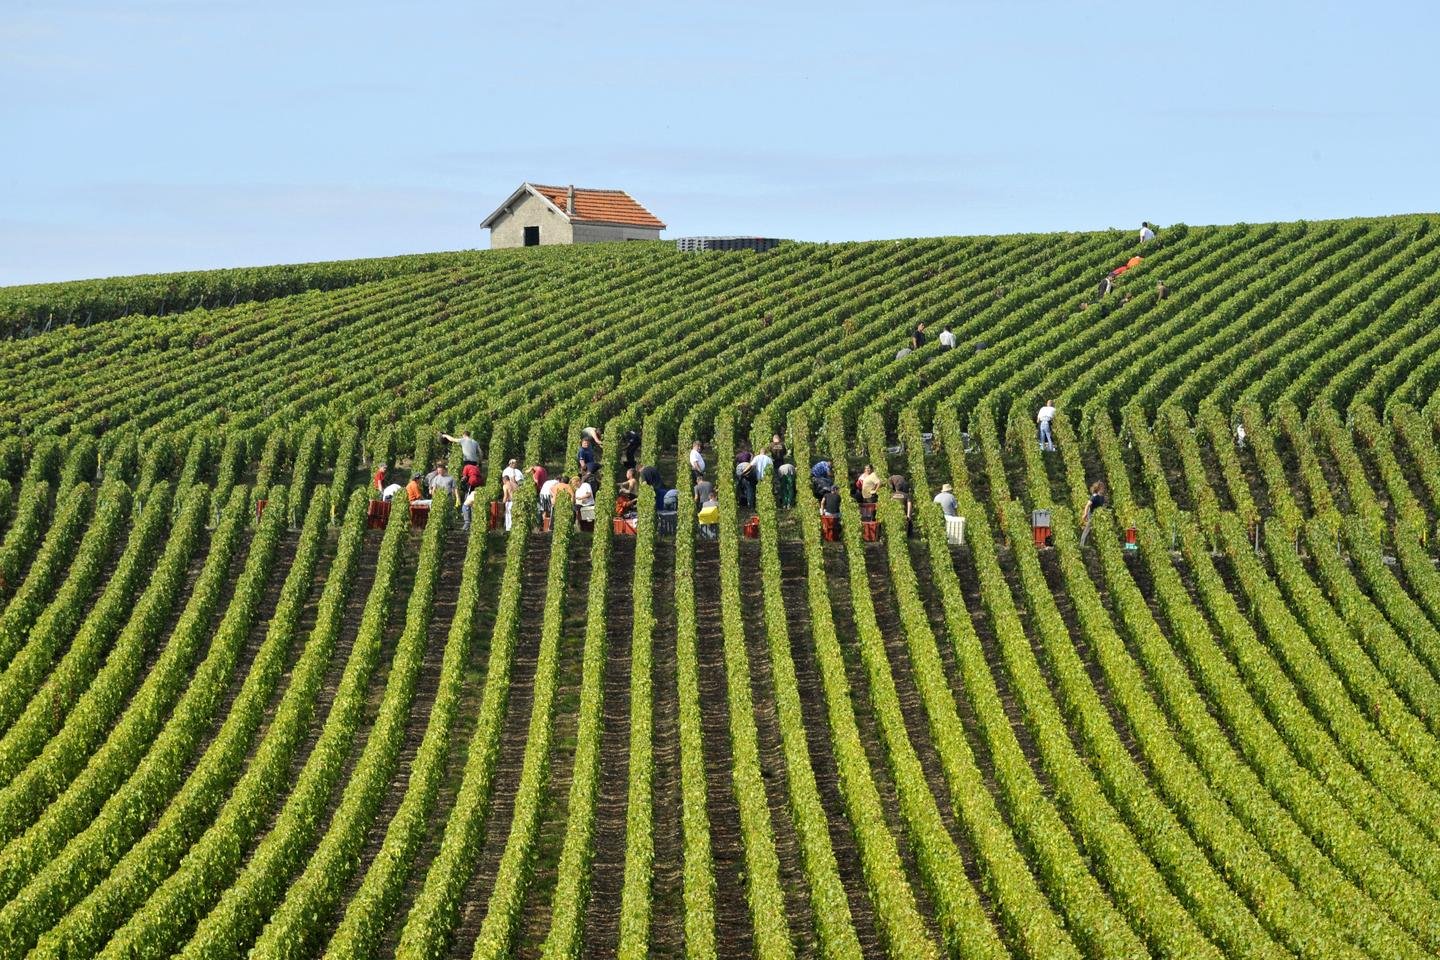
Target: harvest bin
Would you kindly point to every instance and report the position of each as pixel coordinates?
(1040, 527)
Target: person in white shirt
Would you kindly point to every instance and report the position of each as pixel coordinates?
(697, 462)
(547, 494)
(389, 492)
(1043, 418)
(1147, 232)
(584, 495)
(947, 339)
(948, 504)
(761, 464)
(467, 510)
(512, 472)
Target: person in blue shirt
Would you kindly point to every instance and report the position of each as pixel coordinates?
(820, 475)
(586, 457)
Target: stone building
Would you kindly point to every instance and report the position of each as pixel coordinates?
(536, 215)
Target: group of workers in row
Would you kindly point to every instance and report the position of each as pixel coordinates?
(918, 337)
(751, 468)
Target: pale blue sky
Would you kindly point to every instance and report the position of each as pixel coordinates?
(157, 135)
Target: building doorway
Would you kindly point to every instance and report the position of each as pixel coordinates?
(532, 236)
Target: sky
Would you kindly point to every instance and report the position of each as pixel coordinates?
(155, 135)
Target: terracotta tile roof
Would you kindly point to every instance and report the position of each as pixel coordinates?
(601, 206)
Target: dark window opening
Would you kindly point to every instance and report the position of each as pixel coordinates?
(532, 236)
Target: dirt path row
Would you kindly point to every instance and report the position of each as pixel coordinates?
(427, 683)
(732, 915)
(602, 909)
(512, 744)
(822, 756)
(838, 577)
(466, 716)
(772, 756)
(534, 921)
(667, 911)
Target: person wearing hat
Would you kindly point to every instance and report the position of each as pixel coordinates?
(946, 498)
(745, 483)
(412, 489)
(512, 472)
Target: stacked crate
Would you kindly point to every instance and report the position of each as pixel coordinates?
(696, 244)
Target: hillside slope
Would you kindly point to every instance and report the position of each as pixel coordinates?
(247, 710)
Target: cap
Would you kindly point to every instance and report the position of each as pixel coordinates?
(946, 488)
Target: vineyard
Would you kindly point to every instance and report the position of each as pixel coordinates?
(243, 713)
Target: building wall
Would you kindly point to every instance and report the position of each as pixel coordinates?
(602, 233)
(530, 211)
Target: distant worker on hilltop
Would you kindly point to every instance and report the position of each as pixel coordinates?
(1147, 232)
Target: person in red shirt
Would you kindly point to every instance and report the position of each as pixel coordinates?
(539, 474)
(469, 478)
(379, 476)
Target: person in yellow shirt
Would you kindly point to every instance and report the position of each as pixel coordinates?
(870, 484)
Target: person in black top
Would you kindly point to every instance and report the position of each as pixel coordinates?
(1096, 501)
(631, 441)
(830, 503)
(649, 474)
(917, 338)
